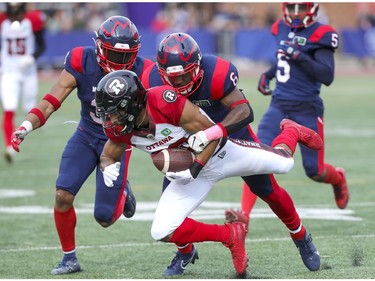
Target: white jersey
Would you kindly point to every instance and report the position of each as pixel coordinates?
(18, 41)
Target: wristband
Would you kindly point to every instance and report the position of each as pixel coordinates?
(215, 132)
(52, 100)
(195, 168)
(39, 114)
(27, 125)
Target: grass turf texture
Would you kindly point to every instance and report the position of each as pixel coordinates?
(29, 246)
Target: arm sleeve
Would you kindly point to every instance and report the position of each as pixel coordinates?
(40, 43)
(321, 67)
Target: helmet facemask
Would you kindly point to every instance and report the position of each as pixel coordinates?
(300, 15)
(112, 58)
(185, 81)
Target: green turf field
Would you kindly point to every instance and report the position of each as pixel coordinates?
(29, 246)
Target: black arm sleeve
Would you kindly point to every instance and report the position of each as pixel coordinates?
(270, 73)
(243, 122)
(40, 43)
(321, 67)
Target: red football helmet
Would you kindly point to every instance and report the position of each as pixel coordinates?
(299, 14)
(117, 42)
(179, 63)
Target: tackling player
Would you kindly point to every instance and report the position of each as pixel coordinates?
(117, 44)
(159, 118)
(305, 61)
(22, 42)
(211, 83)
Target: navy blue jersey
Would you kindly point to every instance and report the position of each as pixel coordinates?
(81, 62)
(292, 82)
(219, 80)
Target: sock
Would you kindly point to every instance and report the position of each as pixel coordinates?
(69, 256)
(282, 205)
(248, 199)
(65, 223)
(332, 176)
(193, 231)
(8, 126)
(185, 249)
(288, 136)
(299, 233)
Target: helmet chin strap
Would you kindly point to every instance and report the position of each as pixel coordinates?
(143, 119)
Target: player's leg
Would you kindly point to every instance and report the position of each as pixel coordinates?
(110, 202)
(172, 225)
(10, 92)
(320, 171)
(77, 163)
(29, 91)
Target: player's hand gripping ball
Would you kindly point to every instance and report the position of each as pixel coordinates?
(173, 159)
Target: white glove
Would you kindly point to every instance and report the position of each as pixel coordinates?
(182, 177)
(111, 173)
(198, 141)
(26, 61)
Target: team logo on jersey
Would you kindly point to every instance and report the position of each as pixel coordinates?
(169, 96)
(166, 132)
(299, 40)
(202, 103)
(116, 87)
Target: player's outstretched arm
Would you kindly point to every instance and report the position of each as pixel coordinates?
(51, 102)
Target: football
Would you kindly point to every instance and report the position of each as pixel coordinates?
(173, 159)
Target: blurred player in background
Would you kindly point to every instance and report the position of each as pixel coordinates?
(158, 118)
(211, 83)
(305, 61)
(22, 42)
(117, 45)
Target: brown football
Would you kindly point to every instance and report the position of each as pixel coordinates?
(173, 159)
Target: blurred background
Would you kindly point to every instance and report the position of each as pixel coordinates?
(236, 31)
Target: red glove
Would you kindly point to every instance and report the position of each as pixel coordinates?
(17, 137)
(264, 85)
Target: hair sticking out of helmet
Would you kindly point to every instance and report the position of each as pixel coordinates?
(120, 97)
(179, 63)
(300, 14)
(117, 44)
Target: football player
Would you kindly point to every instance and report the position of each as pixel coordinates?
(160, 118)
(117, 45)
(211, 83)
(22, 42)
(305, 61)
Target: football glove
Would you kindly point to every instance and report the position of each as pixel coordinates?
(264, 85)
(182, 177)
(17, 137)
(289, 49)
(198, 141)
(111, 173)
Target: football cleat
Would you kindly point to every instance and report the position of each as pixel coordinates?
(309, 254)
(236, 216)
(130, 203)
(66, 267)
(180, 262)
(341, 191)
(306, 136)
(9, 153)
(236, 246)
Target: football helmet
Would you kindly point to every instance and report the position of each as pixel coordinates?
(117, 44)
(179, 63)
(299, 14)
(15, 11)
(120, 96)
